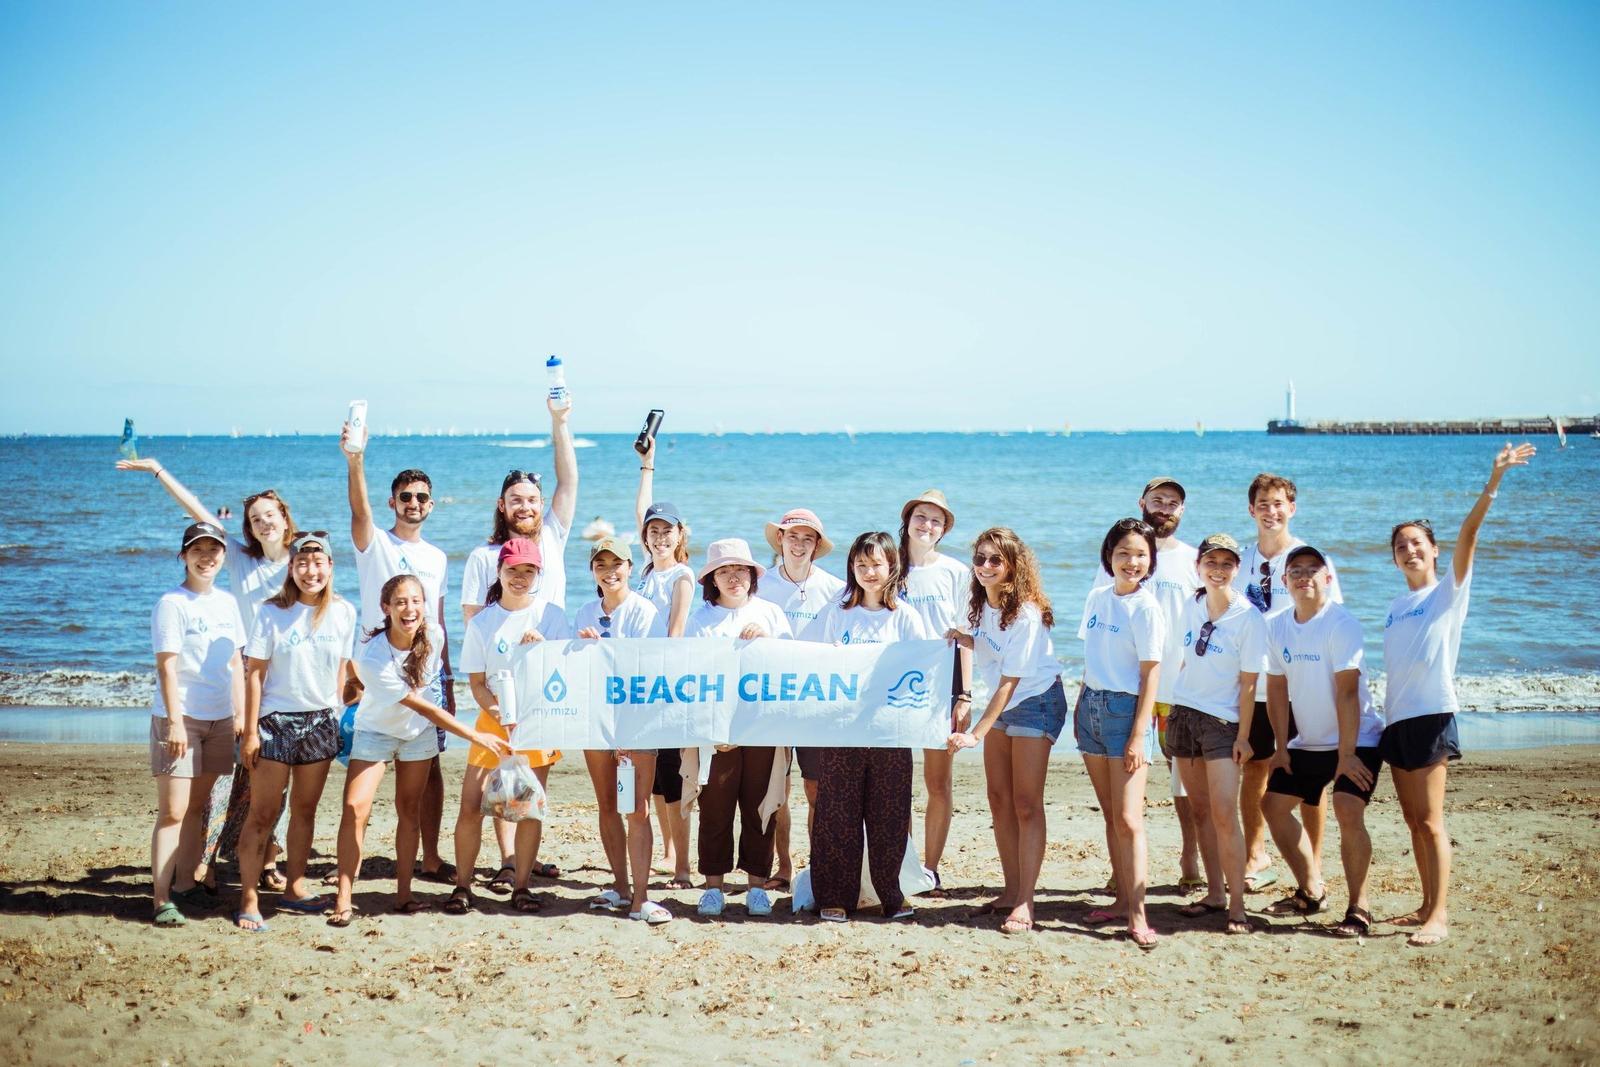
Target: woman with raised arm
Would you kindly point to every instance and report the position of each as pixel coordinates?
(667, 581)
(196, 634)
(1009, 637)
(937, 587)
(397, 663)
(296, 664)
(1421, 640)
(256, 564)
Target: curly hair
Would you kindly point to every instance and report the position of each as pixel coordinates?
(1022, 585)
(415, 669)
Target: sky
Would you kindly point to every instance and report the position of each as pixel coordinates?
(925, 216)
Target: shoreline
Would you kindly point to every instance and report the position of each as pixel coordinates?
(82, 971)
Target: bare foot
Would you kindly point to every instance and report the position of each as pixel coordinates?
(1431, 934)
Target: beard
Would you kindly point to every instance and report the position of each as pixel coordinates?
(526, 527)
(1163, 525)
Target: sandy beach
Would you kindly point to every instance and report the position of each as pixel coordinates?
(85, 977)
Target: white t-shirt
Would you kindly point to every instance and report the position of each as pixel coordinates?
(1173, 585)
(378, 664)
(1023, 651)
(205, 630)
(483, 567)
(1238, 642)
(303, 667)
(940, 592)
(494, 632)
(387, 556)
(1248, 582)
(1119, 633)
(634, 617)
(712, 620)
(1421, 640)
(252, 580)
(657, 587)
(1309, 655)
(838, 624)
(801, 603)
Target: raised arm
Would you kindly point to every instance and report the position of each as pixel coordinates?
(564, 502)
(178, 491)
(647, 486)
(356, 487)
(1467, 542)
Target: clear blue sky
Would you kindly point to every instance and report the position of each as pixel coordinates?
(928, 216)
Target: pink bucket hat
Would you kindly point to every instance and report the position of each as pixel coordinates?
(798, 517)
(728, 551)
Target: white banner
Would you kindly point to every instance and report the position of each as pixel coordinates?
(661, 693)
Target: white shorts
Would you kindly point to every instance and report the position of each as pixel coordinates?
(370, 746)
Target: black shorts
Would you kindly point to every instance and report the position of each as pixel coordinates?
(1263, 742)
(810, 760)
(1310, 772)
(1416, 743)
(297, 738)
(669, 775)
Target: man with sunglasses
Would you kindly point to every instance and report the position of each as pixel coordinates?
(520, 511)
(1173, 583)
(1315, 663)
(1272, 507)
(380, 555)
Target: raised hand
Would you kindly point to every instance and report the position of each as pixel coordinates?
(148, 465)
(1510, 456)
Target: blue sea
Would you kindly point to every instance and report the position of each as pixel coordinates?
(85, 550)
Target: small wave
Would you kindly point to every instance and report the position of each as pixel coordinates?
(78, 689)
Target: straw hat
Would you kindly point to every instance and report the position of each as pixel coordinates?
(936, 498)
(798, 517)
(728, 551)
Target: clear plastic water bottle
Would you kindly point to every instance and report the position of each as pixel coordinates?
(558, 382)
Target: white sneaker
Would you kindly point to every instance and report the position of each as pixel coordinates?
(652, 913)
(711, 902)
(757, 901)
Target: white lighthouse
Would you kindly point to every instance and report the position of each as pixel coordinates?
(1288, 401)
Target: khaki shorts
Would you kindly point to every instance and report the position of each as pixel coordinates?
(210, 748)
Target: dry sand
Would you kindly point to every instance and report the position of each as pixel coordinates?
(85, 977)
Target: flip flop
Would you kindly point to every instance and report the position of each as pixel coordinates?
(1422, 940)
(833, 915)
(1200, 909)
(312, 905)
(1016, 926)
(1263, 878)
(1144, 937)
(240, 917)
(1101, 916)
(1245, 925)
(169, 915)
(444, 874)
(342, 917)
(411, 907)
(546, 870)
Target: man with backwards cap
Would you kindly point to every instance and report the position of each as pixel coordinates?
(1316, 664)
(1174, 583)
(801, 590)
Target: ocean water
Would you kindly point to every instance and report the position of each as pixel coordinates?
(85, 550)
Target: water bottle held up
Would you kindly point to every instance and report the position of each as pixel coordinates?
(356, 442)
(558, 382)
(626, 801)
(504, 687)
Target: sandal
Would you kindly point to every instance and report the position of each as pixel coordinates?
(1101, 916)
(242, 917)
(460, 901)
(444, 874)
(1357, 923)
(411, 907)
(833, 915)
(546, 870)
(1298, 903)
(524, 901)
(1200, 909)
(341, 917)
(169, 915)
(1245, 925)
(272, 880)
(1144, 937)
(1016, 926)
(504, 880)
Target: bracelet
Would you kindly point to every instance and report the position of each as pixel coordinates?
(159, 472)
(647, 468)
(1490, 493)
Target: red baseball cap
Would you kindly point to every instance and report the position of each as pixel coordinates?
(520, 550)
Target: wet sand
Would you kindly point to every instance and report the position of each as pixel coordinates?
(84, 976)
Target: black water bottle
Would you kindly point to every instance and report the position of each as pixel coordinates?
(652, 423)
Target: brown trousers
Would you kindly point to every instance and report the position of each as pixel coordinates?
(739, 780)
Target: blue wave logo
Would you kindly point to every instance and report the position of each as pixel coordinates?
(294, 638)
(1094, 620)
(1188, 638)
(1286, 657)
(555, 690)
(501, 646)
(405, 565)
(911, 691)
(845, 640)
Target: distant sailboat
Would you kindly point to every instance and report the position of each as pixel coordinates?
(1199, 428)
(1066, 429)
(1561, 431)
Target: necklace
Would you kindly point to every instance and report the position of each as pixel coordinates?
(783, 568)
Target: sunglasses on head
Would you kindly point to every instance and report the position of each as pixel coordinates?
(1204, 640)
(514, 476)
(265, 494)
(1426, 524)
(305, 535)
(406, 496)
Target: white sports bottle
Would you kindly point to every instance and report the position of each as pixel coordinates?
(357, 420)
(558, 382)
(504, 687)
(625, 795)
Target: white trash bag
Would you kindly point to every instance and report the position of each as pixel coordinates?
(512, 792)
(914, 879)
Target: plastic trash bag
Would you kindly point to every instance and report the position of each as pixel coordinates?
(347, 734)
(512, 792)
(914, 879)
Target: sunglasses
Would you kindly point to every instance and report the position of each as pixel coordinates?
(605, 626)
(1266, 584)
(1204, 641)
(272, 494)
(513, 476)
(983, 559)
(1426, 524)
(406, 496)
(304, 535)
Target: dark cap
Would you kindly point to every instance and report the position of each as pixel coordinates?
(199, 531)
(1218, 542)
(663, 511)
(1304, 550)
(1157, 483)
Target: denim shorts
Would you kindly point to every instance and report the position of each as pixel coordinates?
(1043, 715)
(1103, 721)
(370, 746)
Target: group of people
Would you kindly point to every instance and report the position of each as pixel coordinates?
(1240, 664)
